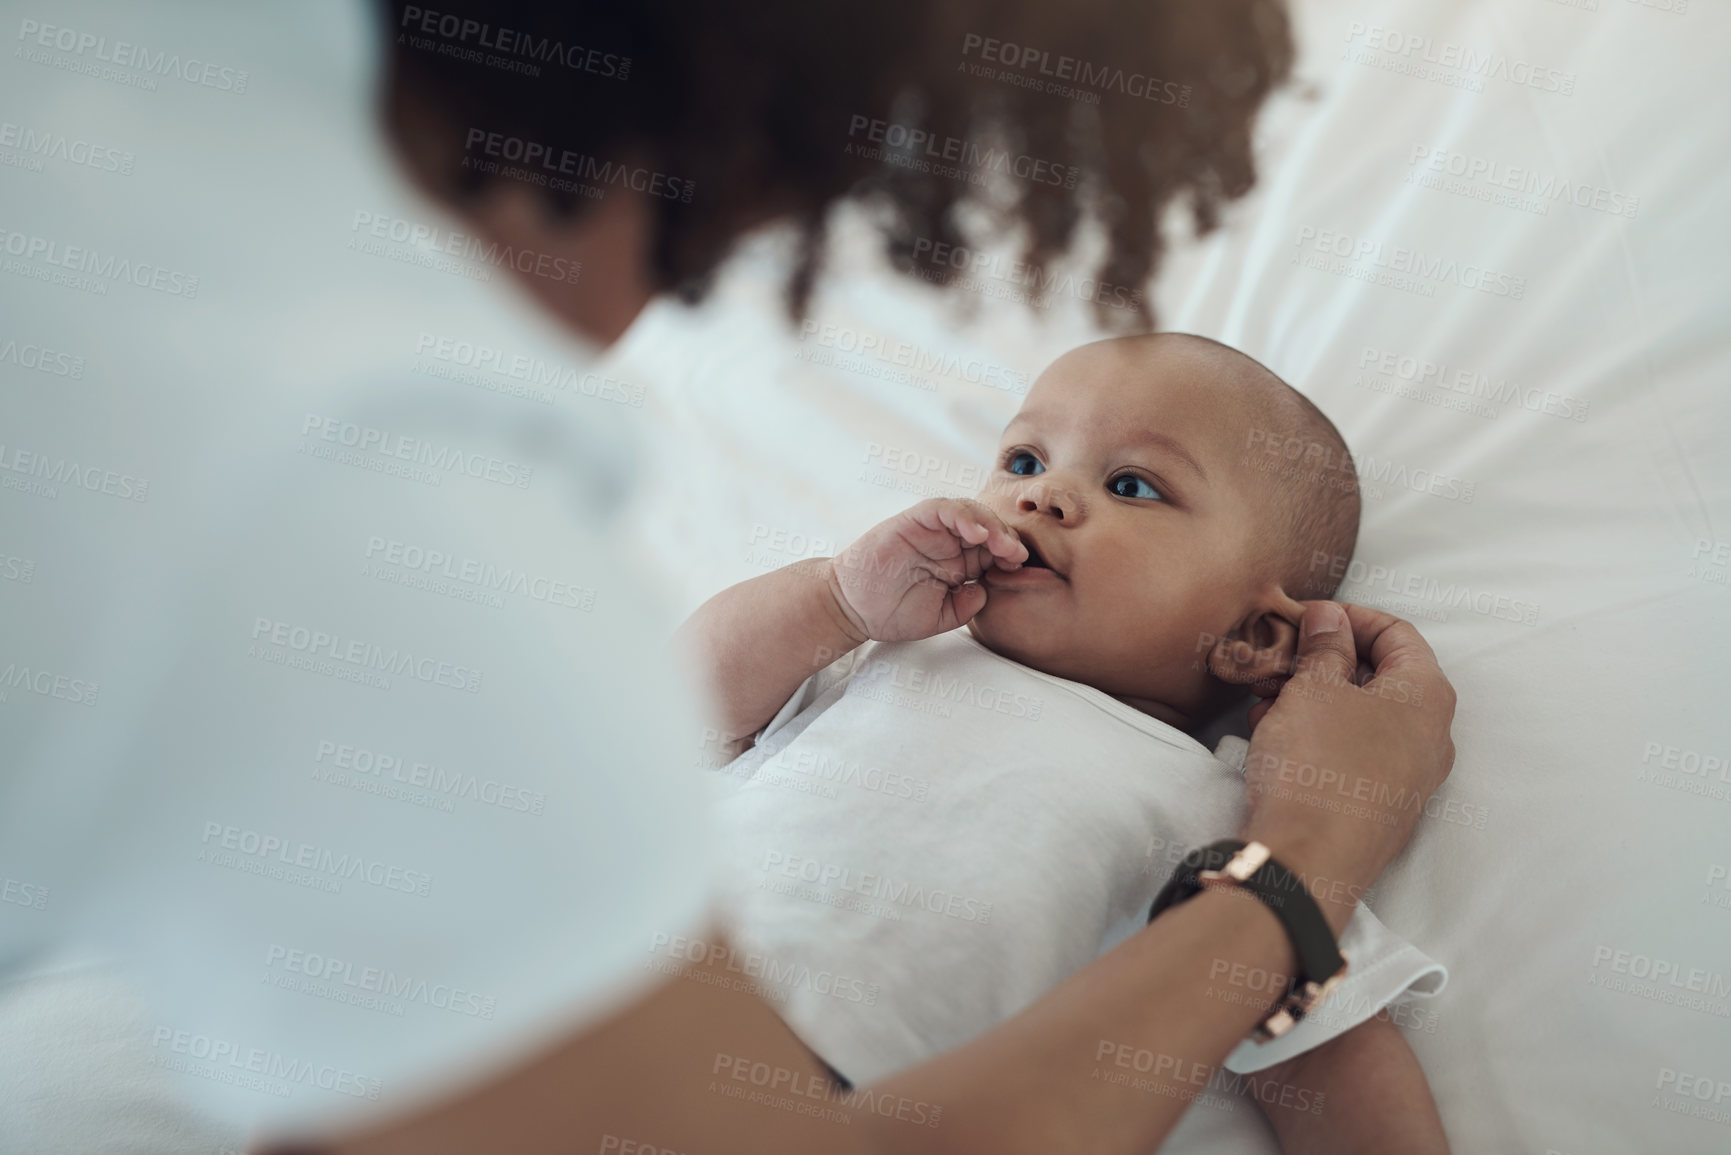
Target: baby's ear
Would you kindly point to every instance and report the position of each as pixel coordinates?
(1259, 648)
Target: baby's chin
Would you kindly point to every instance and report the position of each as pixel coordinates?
(1039, 647)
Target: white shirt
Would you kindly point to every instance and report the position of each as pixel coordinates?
(378, 780)
(334, 718)
(928, 836)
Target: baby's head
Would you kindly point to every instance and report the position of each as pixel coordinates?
(1183, 500)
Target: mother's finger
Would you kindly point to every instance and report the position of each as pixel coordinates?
(1398, 653)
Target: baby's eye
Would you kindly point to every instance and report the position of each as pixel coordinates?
(1129, 485)
(1019, 463)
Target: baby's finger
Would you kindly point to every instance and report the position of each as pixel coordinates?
(960, 520)
(1003, 542)
(977, 527)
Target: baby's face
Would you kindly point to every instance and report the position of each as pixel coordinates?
(1122, 473)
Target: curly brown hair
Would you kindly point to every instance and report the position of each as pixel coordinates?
(729, 113)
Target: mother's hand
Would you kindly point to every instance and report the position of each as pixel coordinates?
(1344, 759)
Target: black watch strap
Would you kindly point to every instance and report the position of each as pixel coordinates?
(1248, 865)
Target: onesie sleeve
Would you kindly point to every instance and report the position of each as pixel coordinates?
(812, 690)
(810, 699)
(1383, 971)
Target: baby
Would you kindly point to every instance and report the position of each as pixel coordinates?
(928, 826)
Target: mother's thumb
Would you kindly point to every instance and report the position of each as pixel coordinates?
(1326, 651)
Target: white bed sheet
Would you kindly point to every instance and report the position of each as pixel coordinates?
(1569, 858)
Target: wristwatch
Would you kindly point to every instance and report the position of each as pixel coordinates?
(1249, 866)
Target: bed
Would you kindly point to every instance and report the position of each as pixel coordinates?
(1489, 241)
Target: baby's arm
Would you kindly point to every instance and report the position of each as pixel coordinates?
(757, 641)
(909, 577)
(1375, 1097)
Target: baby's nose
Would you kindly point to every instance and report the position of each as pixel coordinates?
(1043, 497)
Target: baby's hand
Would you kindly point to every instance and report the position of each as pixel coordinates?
(918, 573)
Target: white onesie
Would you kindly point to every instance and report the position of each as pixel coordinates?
(928, 836)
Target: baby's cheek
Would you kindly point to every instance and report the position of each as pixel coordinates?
(1018, 632)
(1170, 655)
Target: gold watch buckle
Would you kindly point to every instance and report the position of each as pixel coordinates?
(1238, 871)
(1299, 1003)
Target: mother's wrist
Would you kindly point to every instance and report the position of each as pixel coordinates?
(1334, 872)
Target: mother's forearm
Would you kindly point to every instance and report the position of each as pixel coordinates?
(1108, 1061)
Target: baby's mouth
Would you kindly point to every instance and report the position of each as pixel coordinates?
(1036, 561)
